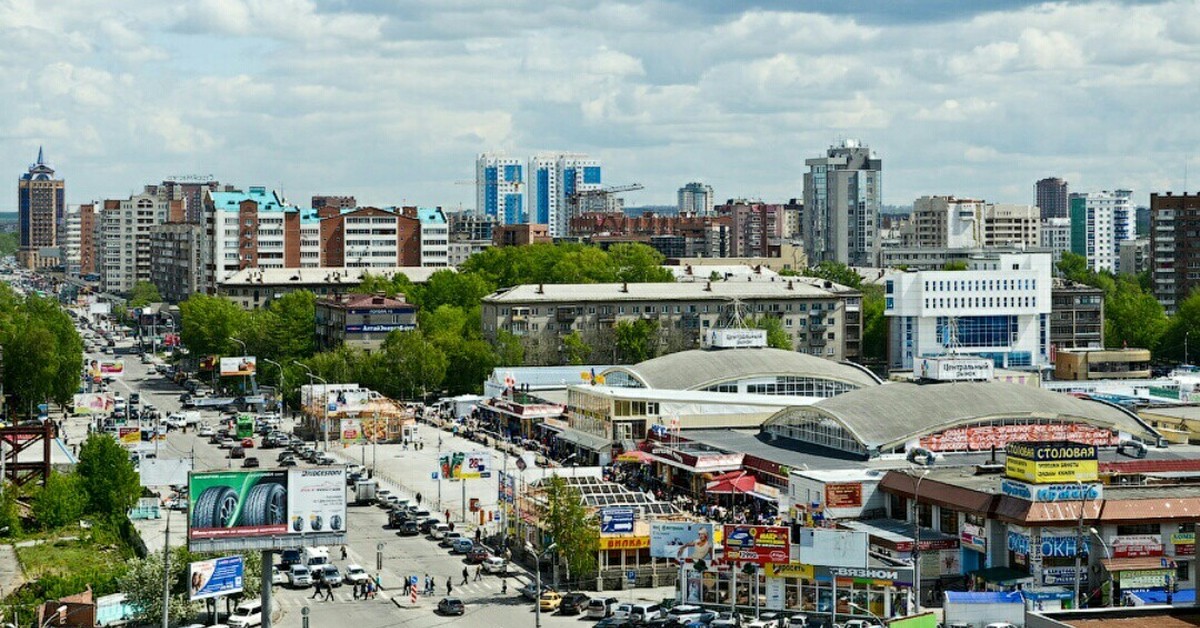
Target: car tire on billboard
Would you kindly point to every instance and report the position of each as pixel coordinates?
(216, 508)
(265, 506)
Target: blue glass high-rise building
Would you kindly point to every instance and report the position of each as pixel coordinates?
(554, 178)
(499, 187)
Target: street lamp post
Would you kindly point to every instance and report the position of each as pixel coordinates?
(916, 546)
(282, 404)
(873, 616)
(324, 401)
(1107, 554)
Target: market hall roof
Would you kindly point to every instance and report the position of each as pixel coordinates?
(697, 369)
(886, 417)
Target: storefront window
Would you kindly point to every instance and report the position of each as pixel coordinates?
(1139, 528)
(1183, 572)
(948, 520)
(925, 515)
(1187, 527)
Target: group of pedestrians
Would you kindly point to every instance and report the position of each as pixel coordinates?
(363, 590)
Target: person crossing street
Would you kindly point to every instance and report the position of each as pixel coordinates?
(465, 575)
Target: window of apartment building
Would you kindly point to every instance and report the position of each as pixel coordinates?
(948, 519)
(592, 310)
(666, 309)
(637, 309)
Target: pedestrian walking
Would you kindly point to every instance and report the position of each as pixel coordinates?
(418, 499)
(371, 589)
(447, 514)
(343, 552)
(465, 573)
(328, 592)
(478, 573)
(316, 590)
(504, 586)
(449, 586)
(356, 589)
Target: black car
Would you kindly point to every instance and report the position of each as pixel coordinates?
(408, 528)
(250, 463)
(426, 525)
(573, 604)
(287, 462)
(451, 606)
(396, 518)
(615, 622)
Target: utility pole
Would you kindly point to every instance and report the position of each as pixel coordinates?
(166, 601)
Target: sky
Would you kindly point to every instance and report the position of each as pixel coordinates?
(392, 100)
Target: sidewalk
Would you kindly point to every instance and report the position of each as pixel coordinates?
(11, 576)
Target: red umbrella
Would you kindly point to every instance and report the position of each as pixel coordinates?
(730, 483)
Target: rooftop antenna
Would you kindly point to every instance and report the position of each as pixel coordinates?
(952, 345)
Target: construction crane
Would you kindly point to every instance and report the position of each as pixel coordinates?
(597, 200)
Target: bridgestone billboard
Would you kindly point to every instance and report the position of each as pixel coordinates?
(276, 509)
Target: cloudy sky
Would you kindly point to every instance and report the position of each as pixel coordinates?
(391, 100)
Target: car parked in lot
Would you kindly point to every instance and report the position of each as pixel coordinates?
(299, 576)
(550, 601)
(449, 538)
(530, 591)
(573, 603)
(477, 554)
(600, 607)
(329, 574)
(408, 528)
(439, 530)
(461, 546)
(426, 525)
(495, 565)
(451, 606)
(248, 613)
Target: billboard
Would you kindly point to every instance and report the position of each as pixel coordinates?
(100, 308)
(216, 577)
(106, 368)
(1051, 492)
(1047, 462)
(241, 365)
(832, 548)
(93, 403)
(758, 544)
(351, 430)
(681, 540)
(848, 495)
(984, 437)
(350, 401)
(470, 465)
(246, 504)
(616, 520)
(129, 435)
(164, 471)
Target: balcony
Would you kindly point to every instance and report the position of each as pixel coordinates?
(566, 314)
(817, 341)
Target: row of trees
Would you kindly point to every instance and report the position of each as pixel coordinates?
(43, 353)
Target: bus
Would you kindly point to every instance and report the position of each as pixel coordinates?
(245, 426)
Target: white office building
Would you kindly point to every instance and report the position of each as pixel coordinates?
(553, 179)
(950, 222)
(696, 199)
(1056, 236)
(999, 308)
(1100, 222)
(435, 237)
(125, 239)
(70, 240)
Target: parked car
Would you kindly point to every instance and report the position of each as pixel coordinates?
(767, 620)
(530, 591)
(684, 613)
(248, 443)
(614, 622)
(439, 530)
(248, 613)
(477, 554)
(408, 528)
(451, 606)
(495, 565)
(299, 576)
(205, 431)
(329, 574)
(461, 546)
(287, 462)
(426, 525)
(449, 538)
(237, 452)
(289, 557)
(573, 603)
(600, 608)
(726, 619)
(550, 601)
(250, 463)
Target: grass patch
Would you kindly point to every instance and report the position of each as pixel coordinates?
(57, 568)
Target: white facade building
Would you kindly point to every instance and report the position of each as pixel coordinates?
(1100, 222)
(71, 240)
(696, 199)
(1056, 236)
(310, 240)
(553, 179)
(999, 308)
(435, 237)
(124, 241)
(950, 222)
(499, 183)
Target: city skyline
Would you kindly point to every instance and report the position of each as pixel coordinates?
(384, 104)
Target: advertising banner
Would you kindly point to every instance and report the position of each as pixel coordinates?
(774, 590)
(1018, 542)
(129, 435)
(351, 431)
(1061, 543)
(984, 437)
(616, 520)
(843, 495)
(1061, 575)
(241, 365)
(106, 368)
(624, 542)
(1136, 545)
(1051, 492)
(972, 537)
(1184, 543)
(164, 471)
(350, 401)
(100, 308)
(832, 548)
(374, 429)
(757, 544)
(1048, 462)
(93, 403)
(240, 504)
(1145, 578)
(216, 577)
(681, 540)
(790, 570)
(508, 488)
(471, 465)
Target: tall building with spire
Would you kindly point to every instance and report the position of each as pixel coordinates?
(41, 203)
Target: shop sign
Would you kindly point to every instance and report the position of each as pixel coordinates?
(1051, 492)
(973, 538)
(843, 495)
(624, 542)
(757, 544)
(1060, 575)
(790, 570)
(984, 437)
(939, 544)
(1060, 546)
(1045, 462)
(1136, 545)
(892, 577)
(1145, 578)
(774, 590)
(1186, 549)
(1018, 543)
(1183, 538)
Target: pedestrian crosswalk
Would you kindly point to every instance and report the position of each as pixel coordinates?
(488, 587)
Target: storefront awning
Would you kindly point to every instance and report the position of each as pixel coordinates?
(1003, 576)
(591, 442)
(1134, 564)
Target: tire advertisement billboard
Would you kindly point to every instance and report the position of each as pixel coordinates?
(757, 544)
(304, 506)
(216, 577)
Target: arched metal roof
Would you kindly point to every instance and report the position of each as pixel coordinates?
(885, 417)
(697, 369)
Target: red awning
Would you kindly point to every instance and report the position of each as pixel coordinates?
(732, 482)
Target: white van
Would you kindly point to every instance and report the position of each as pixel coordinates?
(641, 613)
(313, 556)
(248, 613)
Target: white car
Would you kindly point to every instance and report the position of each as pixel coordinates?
(300, 577)
(860, 623)
(439, 531)
(684, 613)
(495, 565)
(280, 576)
(206, 431)
(355, 574)
(248, 613)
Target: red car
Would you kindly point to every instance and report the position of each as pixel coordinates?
(247, 443)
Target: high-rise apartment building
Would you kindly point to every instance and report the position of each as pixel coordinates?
(254, 229)
(696, 199)
(69, 240)
(1050, 195)
(499, 183)
(1100, 221)
(435, 237)
(41, 203)
(125, 227)
(1056, 236)
(1174, 247)
(177, 249)
(949, 222)
(554, 178)
(368, 237)
(842, 199)
(89, 228)
(755, 226)
(190, 188)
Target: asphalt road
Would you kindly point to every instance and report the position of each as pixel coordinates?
(404, 471)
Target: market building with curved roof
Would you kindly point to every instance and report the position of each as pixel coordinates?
(953, 417)
(754, 371)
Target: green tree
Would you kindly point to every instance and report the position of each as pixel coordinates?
(836, 272)
(419, 365)
(60, 502)
(638, 263)
(9, 243)
(1132, 317)
(1074, 267)
(473, 362)
(10, 510)
(637, 341)
(446, 287)
(1178, 337)
(875, 325)
(43, 349)
(576, 350)
(144, 293)
(208, 324)
(107, 477)
(955, 265)
(777, 336)
(509, 350)
(562, 514)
